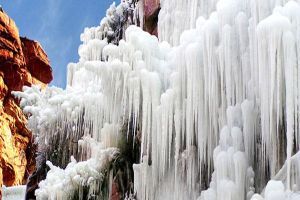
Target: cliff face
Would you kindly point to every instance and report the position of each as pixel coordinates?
(22, 62)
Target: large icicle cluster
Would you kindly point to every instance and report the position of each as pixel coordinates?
(70, 183)
(216, 113)
(177, 16)
(233, 178)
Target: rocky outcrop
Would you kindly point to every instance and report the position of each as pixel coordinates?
(36, 60)
(151, 11)
(22, 62)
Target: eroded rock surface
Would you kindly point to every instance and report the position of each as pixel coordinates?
(22, 62)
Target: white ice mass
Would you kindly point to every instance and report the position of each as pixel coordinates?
(214, 102)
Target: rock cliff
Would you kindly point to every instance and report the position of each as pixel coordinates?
(22, 62)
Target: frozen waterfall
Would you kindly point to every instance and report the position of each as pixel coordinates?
(211, 106)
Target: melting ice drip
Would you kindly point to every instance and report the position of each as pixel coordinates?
(216, 112)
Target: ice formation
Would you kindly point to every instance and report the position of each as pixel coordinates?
(70, 183)
(215, 108)
(13, 193)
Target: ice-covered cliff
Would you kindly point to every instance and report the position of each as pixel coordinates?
(209, 110)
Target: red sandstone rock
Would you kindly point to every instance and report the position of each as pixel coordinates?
(151, 10)
(22, 62)
(37, 60)
(115, 191)
(150, 7)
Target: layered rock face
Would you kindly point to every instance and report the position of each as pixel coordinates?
(22, 62)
